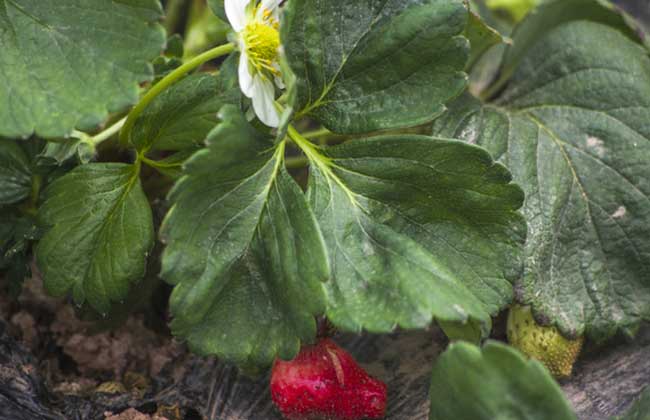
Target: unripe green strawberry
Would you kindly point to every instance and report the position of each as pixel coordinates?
(545, 344)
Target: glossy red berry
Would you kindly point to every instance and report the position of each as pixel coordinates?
(325, 382)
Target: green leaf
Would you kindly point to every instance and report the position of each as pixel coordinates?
(473, 332)
(184, 114)
(174, 48)
(7, 225)
(550, 15)
(170, 60)
(518, 9)
(493, 382)
(637, 17)
(79, 147)
(218, 9)
(66, 63)
(17, 233)
(15, 173)
(370, 65)
(484, 68)
(144, 299)
(416, 228)
(100, 232)
(481, 37)
(243, 250)
(172, 165)
(572, 126)
(640, 410)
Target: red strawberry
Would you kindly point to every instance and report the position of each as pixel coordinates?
(325, 382)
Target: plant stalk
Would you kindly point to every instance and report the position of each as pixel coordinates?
(296, 162)
(167, 81)
(109, 132)
(322, 132)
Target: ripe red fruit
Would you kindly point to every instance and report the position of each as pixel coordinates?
(325, 382)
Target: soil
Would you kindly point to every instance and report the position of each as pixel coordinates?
(54, 366)
(80, 362)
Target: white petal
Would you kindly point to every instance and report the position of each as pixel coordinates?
(279, 82)
(270, 4)
(264, 102)
(236, 13)
(245, 78)
(278, 79)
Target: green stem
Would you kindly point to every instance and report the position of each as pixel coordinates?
(323, 132)
(322, 162)
(296, 162)
(108, 133)
(494, 88)
(37, 182)
(167, 81)
(157, 164)
(80, 135)
(310, 150)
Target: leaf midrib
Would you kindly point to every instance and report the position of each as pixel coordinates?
(423, 227)
(279, 157)
(560, 144)
(328, 87)
(119, 203)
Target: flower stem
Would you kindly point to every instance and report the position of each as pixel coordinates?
(37, 182)
(319, 160)
(296, 162)
(157, 164)
(108, 133)
(309, 149)
(167, 81)
(322, 132)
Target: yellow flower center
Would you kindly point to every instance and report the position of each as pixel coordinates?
(262, 42)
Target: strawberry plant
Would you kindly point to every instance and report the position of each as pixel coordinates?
(382, 164)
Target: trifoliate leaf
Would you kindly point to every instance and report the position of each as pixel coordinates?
(370, 65)
(100, 232)
(416, 228)
(66, 63)
(493, 382)
(184, 114)
(15, 173)
(243, 250)
(572, 126)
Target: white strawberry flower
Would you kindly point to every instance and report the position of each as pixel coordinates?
(257, 24)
